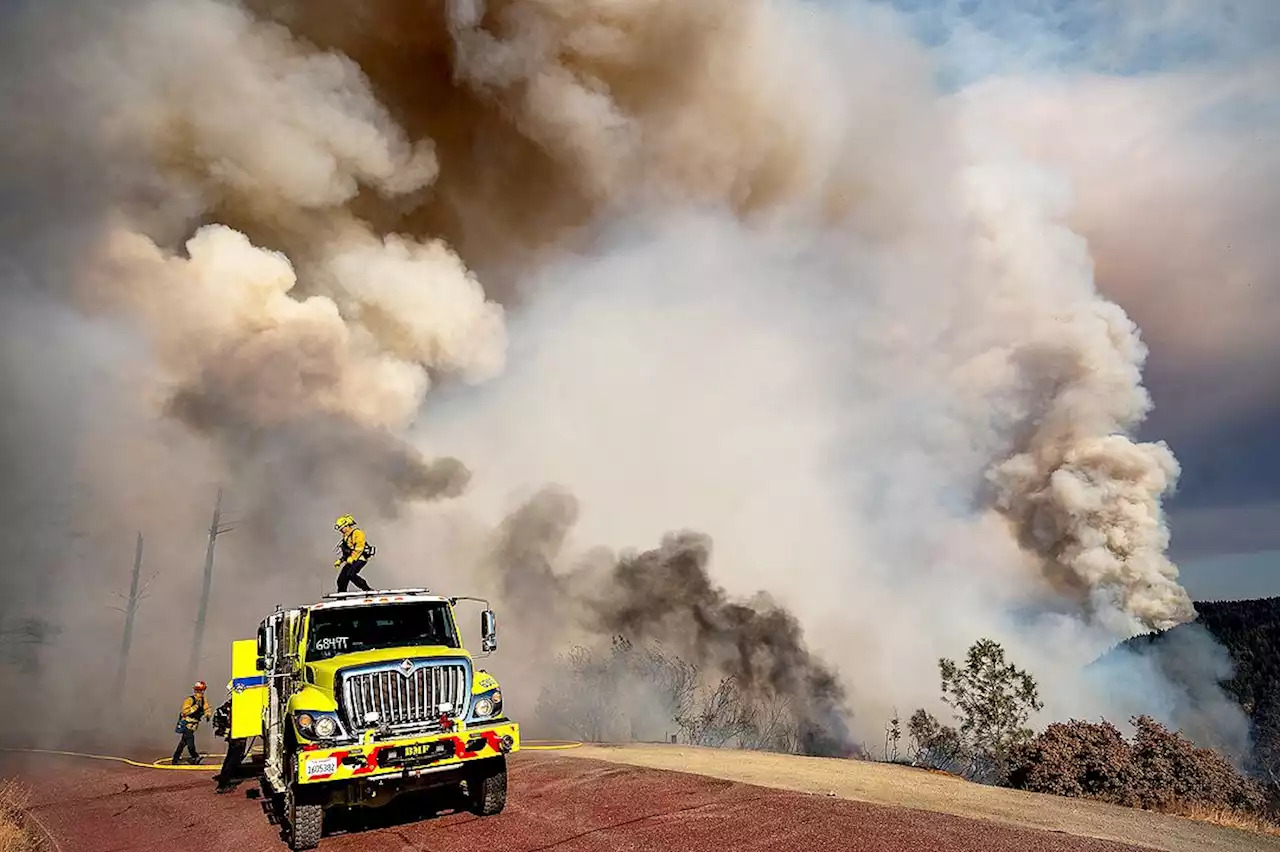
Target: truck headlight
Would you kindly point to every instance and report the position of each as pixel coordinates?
(326, 727)
(484, 707)
(317, 724)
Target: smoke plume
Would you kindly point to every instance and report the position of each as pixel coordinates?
(665, 596)
(731, 267)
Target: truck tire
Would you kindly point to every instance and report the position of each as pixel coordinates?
(487, 787)
(305, 822)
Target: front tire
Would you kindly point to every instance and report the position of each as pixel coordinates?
(487, 787)
(306, 822)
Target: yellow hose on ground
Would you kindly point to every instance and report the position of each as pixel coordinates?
(167, 762)
(163, 763)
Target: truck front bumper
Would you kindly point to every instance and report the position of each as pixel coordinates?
(409, 756)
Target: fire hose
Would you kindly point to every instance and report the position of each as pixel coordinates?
(167, 763)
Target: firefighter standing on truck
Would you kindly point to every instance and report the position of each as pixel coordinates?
(194, 707)
(355, 552)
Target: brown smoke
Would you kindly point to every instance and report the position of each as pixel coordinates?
(308, 367)
(1085, 495)
(545, 116)
(322, 218)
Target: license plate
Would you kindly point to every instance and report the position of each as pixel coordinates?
(416, 753)
(325, 766)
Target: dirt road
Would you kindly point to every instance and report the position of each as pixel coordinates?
(566, 803)
(900, 786)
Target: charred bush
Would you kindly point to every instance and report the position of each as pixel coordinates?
(1078, 759)
(1158, 769)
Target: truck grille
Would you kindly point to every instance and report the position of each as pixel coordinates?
(404, 700)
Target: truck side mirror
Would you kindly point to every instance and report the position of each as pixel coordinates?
(261, 663)
(488, 631)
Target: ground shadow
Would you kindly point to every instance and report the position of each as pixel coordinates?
(407, 808)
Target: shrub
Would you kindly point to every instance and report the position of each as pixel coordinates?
(935, 745)
(1081, 759)
(14, 836)
(1159, 770)
(1173, 771)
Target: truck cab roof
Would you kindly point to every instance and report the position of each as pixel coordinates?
(343, 600)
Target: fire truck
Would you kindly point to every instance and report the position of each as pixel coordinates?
(367, 695)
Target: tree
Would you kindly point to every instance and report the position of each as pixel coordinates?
(773, 728)
(579, 701)
(22, 640)
(992, 699)
(934, 744)
(717, 714)
(628, 690)
(892, 736)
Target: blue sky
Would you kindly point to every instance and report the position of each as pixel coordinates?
(982, 37)
(1226, 513)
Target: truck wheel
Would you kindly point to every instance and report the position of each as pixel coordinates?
(305, 822)
(487, 787)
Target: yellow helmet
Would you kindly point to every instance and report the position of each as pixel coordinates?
(344, 521)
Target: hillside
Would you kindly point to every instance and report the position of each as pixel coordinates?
(1250, 632)
(923, 790)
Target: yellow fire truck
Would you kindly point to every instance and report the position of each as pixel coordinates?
(365, 695)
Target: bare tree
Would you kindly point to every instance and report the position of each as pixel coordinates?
(774, 728)
(23, 639)
(595, 694)
(717, 714)
(892, 736)
(579, 700)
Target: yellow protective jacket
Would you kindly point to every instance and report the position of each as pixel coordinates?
(193, 708)
(352, 548)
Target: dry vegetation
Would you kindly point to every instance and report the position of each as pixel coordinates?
(905, 787)
(1226, 817)
(14, 833)
(641, 693)
(631, 692)
(1157, 770)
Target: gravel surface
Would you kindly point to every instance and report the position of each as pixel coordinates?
(566, 803)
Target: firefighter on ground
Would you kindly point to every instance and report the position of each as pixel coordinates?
(194, 707)
(229, 774)
(355, 553)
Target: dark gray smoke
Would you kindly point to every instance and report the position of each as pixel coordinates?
(320, 453)
(666, 595)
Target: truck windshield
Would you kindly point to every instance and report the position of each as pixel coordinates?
(372, 628)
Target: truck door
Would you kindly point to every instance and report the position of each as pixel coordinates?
(248, 690)
(282, 632)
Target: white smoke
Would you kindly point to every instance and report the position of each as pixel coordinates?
(783, 293)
